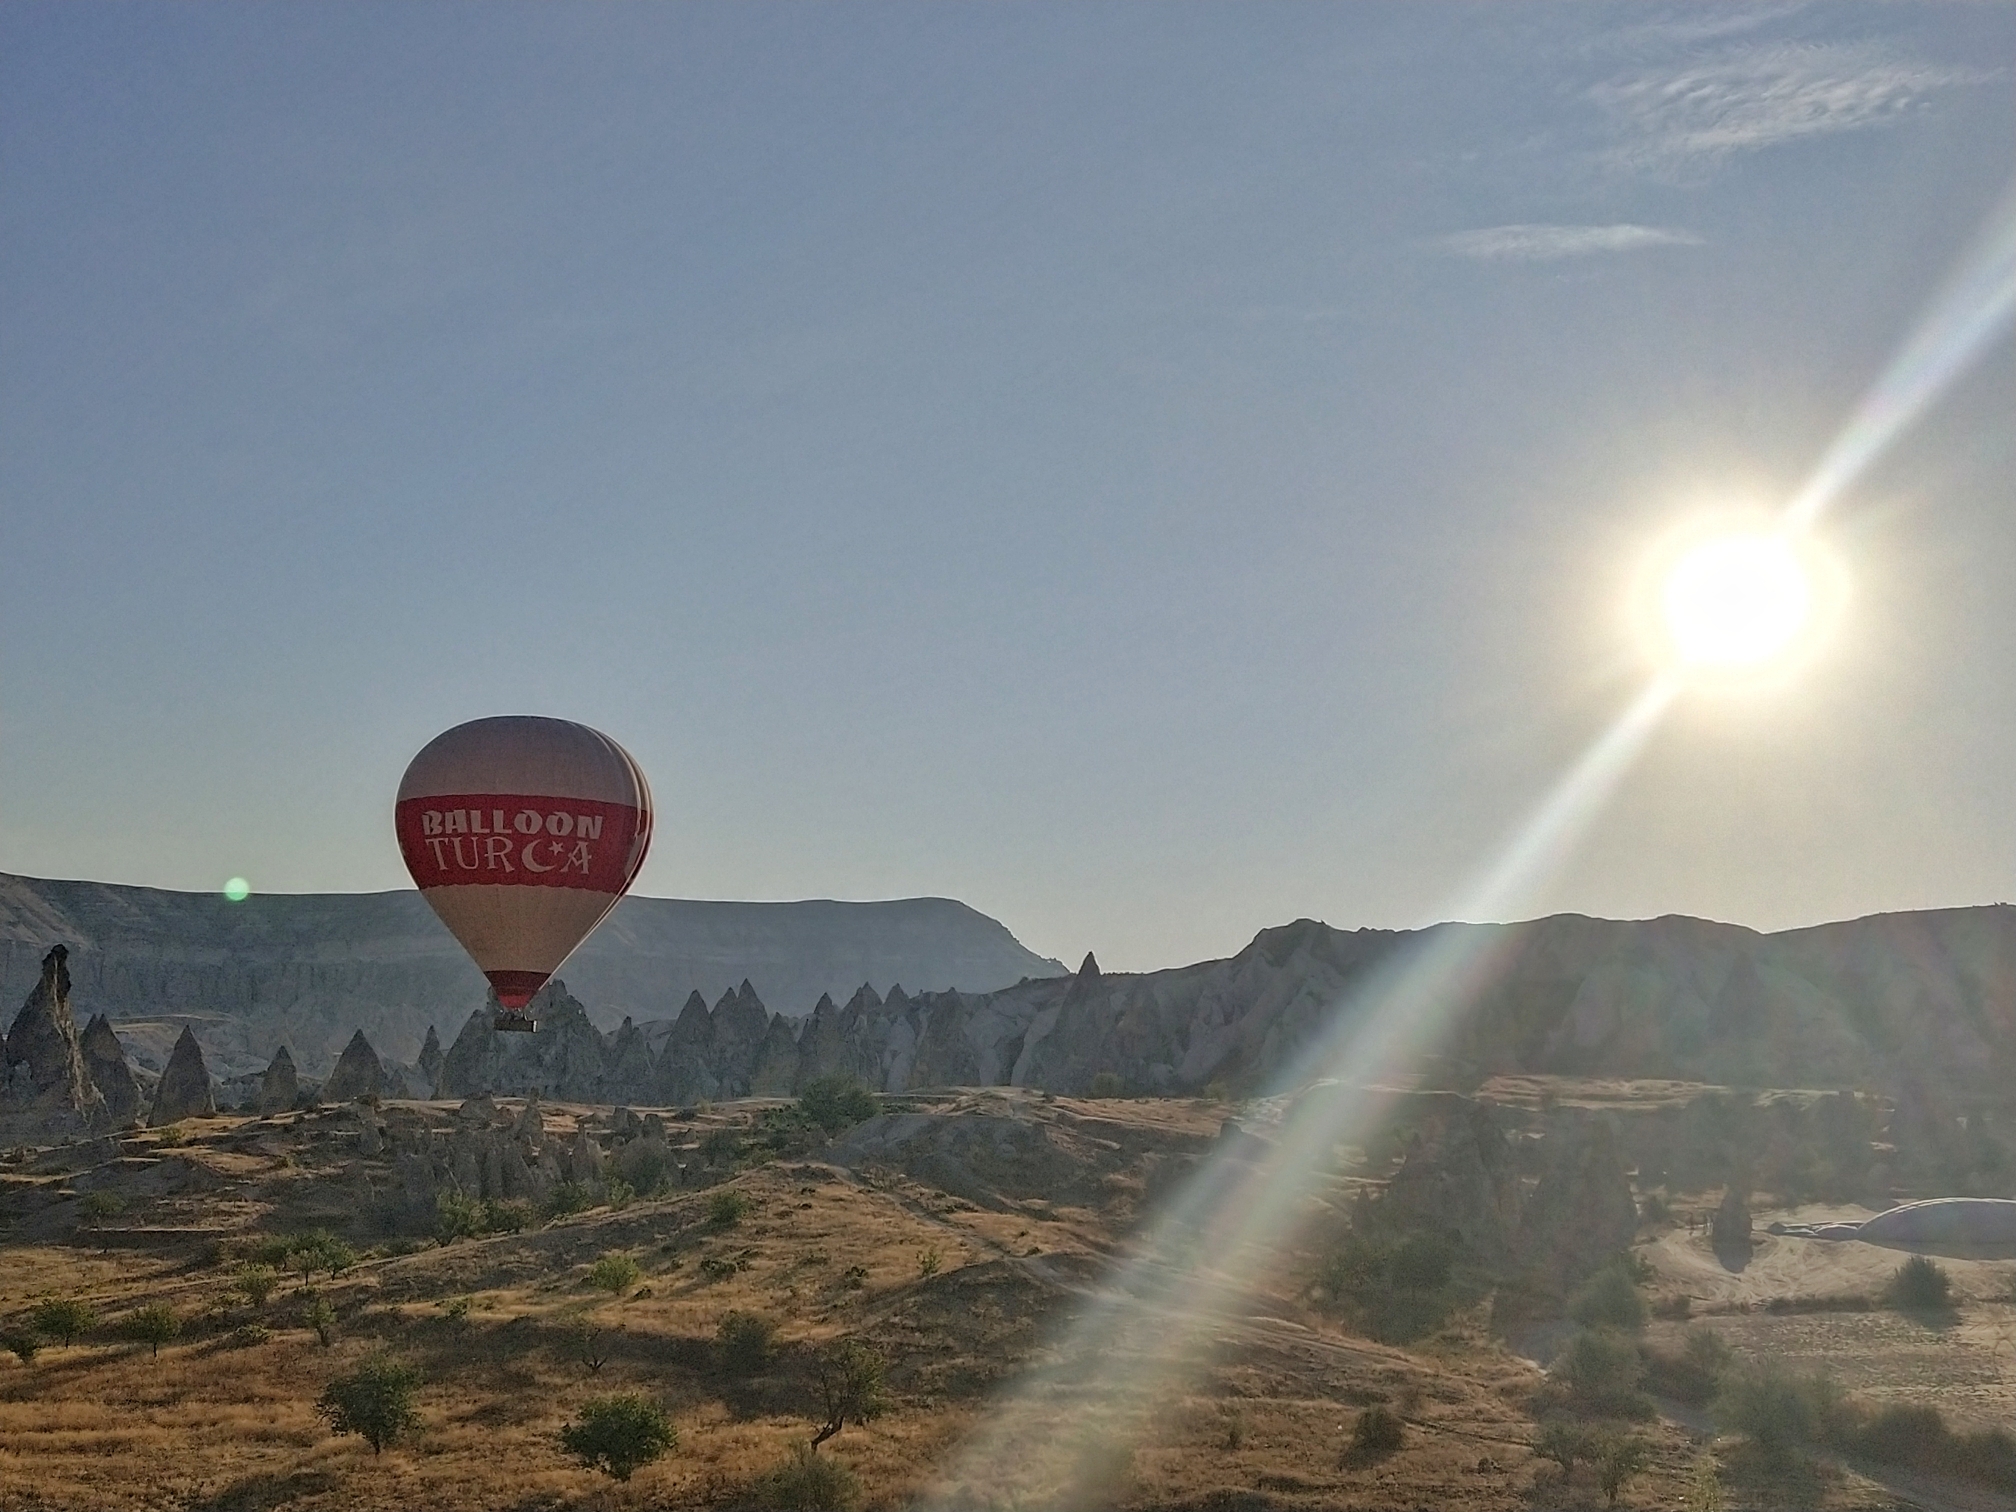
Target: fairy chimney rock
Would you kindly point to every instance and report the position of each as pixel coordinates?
(184, 1091)
(44, 1062)
(105, 1063)
(280, 1086)
(358, 1073)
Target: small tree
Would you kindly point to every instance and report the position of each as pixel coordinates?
(591, 1345)
(318, 1249)
(746, 1342)
(1379, 1431)
(23, 1344)
(256, 1282)
(928, 1263)
(316, 1313)
(1609, 1299)
(1601, 1369)
(1618, 1461)
(619, 1435)
(726, 1208)
(836, 1102)
(375, 1400)
(849, 1376)
(458, 1217)
(614, 1273)
(100, 1205)
(1107, 1084)
(153, 1325)
(1770, 1407)
(63, 1318)
(1565, 1443)
(1920, 1285)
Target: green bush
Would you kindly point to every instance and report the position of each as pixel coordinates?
(1692, 1373)
(255, 1282)
(375, 1401)
(836, 1102)
(1396, 1287)
(1920, 1285)
(928, 1263)
(1619, 1460)
(318, 1314)
(458, 1217)
(1919, 1437)
(22, 1343)
(270, 1250)
(719, 1267)
(746, 1342)
(568, 1197)
(1601, 1370)
(1565, 1443)
(512, 1215)
(1378, 1432)
(248, 1336)
(614, 1273)
(1779, 1413)
(619, 1435)
(727, 1207)
(63, 1318)
(848, 1375)
(320, 1250)
(1609, 1299)
(153, 1325)
(807, 1483)
(1107, 1084)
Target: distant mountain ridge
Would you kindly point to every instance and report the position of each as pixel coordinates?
(310, 969)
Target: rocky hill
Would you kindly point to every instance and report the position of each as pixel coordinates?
(311, 969)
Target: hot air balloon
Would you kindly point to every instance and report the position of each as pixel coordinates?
(523, 833)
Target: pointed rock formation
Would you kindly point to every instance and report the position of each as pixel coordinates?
(44, 1076)
(629, 1072)
(105, 1063)
(358, 1073)
(777, 1066)
(1088, 968)
(429, 1064)
(184, 1091)
(822, 1046)
(741, 1025)
(565, 1058)
(686, 1071)
(1582, 1213)
(279, 1087)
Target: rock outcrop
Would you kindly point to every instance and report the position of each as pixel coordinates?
(1729, 1228)
(105, 1063)
(1461, 1177)
(1582, 1212)
(358, 1073)
(45, 1083)
(280, 1087)
(184, 1090)
(429, 1063)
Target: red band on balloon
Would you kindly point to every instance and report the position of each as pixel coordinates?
(516, 988)
(501, 840)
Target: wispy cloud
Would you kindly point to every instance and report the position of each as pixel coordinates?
(1702, 110)
(1549, 243)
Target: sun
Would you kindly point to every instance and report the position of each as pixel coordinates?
(1736, 602)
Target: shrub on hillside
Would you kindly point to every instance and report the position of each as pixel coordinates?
(255, 1282)
(746, 1342)
(1778, 1412)
(1601, 1370)
(458, 1217)
(807, 1483)
(619, 1435)
(1107, 1084)
(374, 1401)
(614, 1273)
(1378, 1432)
(1609, 1299)
(1619, 1460)
(318, 1314)
(727, 1207)
(1920, 1285)
(1567, 1444)
(836, 1102)
(1397, 1287)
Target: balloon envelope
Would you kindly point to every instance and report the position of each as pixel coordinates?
(523, 833)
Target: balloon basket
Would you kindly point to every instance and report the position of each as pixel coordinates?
(520, 1023)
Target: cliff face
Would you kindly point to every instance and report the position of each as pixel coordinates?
(312, 969)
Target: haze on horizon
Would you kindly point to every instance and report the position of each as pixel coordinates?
(1146, 473)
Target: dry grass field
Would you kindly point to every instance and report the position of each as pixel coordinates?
(963, 1284)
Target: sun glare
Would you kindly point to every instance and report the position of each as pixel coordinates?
(1736, 602)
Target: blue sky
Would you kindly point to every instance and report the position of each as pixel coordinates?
(1150, 472)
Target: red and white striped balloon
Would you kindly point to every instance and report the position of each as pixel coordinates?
(523, 833)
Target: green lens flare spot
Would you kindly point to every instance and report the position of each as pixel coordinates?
(237, 890)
